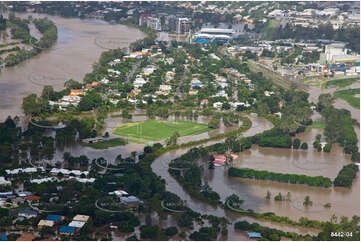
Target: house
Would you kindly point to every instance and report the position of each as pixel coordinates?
(268, 93)
(24, 194)
(45, 223)
(219, 160)
(4, 182)
(236, 104)
(139, 82)
(67, 230)
(204, 102)
(196, 83)
(32, 198)
(42, 180)
(76, 224)
(165, 88)
(54, 217)
(104, 80)
(28, 213)
(169, 75)
(26, 237)
(92, 85)
(130, 201)
(254, 235)
(82, 218)
(119, 193)
(7, 195)
(76, 92)
(217, 105)
(193, 92)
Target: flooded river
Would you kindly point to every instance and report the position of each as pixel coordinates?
(344, 202)
(72, 56)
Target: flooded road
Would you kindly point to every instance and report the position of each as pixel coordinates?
(71, 57)
(315, 91)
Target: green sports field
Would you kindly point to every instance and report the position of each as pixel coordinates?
(156, 130)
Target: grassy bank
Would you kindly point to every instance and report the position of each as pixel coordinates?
(341, 82)
(349, 96)
(316, 125)
(107, 143)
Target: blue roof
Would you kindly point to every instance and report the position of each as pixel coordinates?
(254, 235)
(67, 229)
(3, 237)
(202, 41)
(53, 217)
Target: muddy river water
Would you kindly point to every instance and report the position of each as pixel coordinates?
(72, 57)
(79, 45)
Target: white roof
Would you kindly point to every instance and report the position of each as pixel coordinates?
(26, 170)
(76, 224)
(120, 192)
(67, 172)
(3, 181)
(39, 181)
(85, 180)
(215, 30)
(82, 218)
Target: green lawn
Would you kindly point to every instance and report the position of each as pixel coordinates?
(316, 125)
(269, 28)
(107, 143)
(156, 130)
(349, 96)
(341, 82)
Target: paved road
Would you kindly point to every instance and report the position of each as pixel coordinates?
(132, 71)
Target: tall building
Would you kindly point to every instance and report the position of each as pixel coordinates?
(183, 25)
(154, 23)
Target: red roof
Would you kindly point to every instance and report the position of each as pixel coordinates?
(219, 160)
(32, 198)
(219, 157)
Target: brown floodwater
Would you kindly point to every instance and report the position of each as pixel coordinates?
(344, 202)
(72, 56)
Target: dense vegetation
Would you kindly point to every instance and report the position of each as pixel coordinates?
(325, 31)
(20, 30)
(341, 82)
(339, 126)
(288, 178)
(346, 175)
(191, 177)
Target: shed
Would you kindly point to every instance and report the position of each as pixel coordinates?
(67, 230)
(82, 218)
(54, 217)
(76, 224)
(45, 223)
(254, 235)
